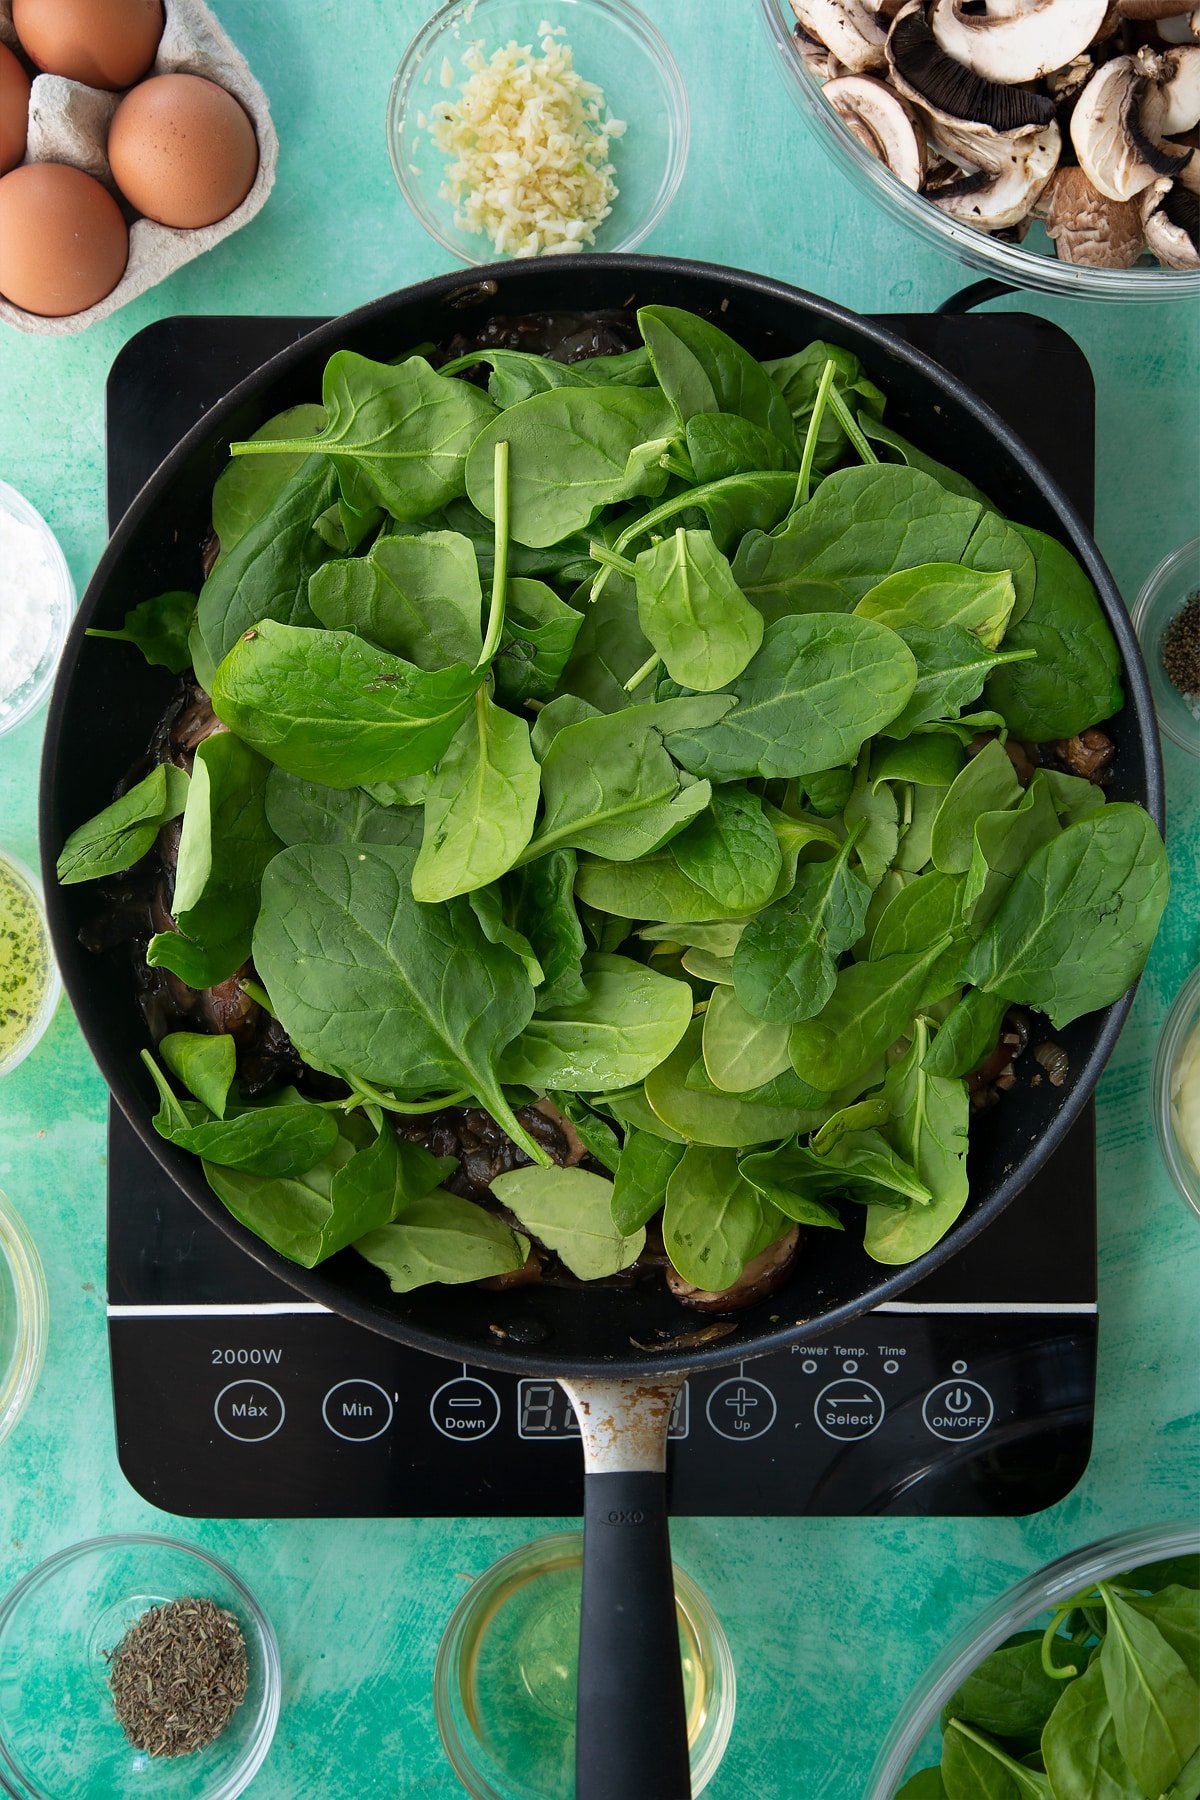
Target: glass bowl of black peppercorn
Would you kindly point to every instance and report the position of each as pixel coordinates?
(134, 1665)
(1166, 617)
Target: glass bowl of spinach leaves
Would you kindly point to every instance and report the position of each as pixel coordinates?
(654, 761)
(1081, 1680)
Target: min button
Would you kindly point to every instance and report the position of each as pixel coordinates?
(957, 1411)
(251, 1411)
(357, 1411)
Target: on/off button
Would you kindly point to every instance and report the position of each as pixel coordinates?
(957, 1411)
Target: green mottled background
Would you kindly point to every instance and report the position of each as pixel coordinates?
(830, 1622)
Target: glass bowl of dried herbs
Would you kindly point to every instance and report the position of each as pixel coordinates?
(1166, 617)
(134, 1665)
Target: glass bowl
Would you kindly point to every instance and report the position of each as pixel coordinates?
(24, 1310)
(59, 1736)
(914, 1741)
(30, 984)
(1164, 591)
(1032, 264)
(1179, 1037)
(504, 1681)
(29, 693)
(613, 44)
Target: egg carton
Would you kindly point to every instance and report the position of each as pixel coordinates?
(68, 122)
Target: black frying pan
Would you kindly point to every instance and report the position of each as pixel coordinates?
(630, 1730)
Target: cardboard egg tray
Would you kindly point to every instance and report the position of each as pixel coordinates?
(68, 122)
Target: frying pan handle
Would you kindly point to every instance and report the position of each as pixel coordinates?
(631, 1722)
(977, 294)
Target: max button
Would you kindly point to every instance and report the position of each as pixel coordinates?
(957, 1411)
(250, 1411)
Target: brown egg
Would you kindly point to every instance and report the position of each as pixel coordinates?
(14, 110)
(182, 150)
(107, 43)
(63, 242)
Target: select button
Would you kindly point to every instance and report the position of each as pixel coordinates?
(357, 1411)
(251, 1411)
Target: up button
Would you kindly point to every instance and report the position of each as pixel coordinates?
(957, 1411)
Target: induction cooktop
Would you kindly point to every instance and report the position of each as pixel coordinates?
(234, 1398)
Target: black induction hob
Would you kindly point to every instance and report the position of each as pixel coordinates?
(235, 1399)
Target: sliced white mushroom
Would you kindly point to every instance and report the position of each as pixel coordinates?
(1176, 73)
(947, 89)
(819, 61)
(1153, 10)
(884, 123)
(849, 29)
(1068, 83)
(1117, 131)
(1181, 28)
(1171, 221)
(1015, 42)
(1086, 227)
(1002, 193)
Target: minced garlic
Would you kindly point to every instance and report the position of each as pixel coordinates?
(529, 141)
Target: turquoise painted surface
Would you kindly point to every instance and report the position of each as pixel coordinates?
(830, 1622)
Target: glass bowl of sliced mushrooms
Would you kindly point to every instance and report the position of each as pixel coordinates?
(1050, 143)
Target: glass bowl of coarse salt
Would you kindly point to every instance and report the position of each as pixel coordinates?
(37, 599)
(523, 130)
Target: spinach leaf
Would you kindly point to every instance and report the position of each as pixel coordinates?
(930, 1115)
(375, 985)
(817, 689)
(443, 1238)
(308, 812)
(968, 1032)
(122, 833)
(932, 759)
(1079, 1744)
(609, 785)
(1075, 679)
(570, 1211)
(706, 967)
(880, 432)
(860, 525)
(416, 597)
(266, 574)
(405, 428)
(1074, 797)
(1077, 923)
(595, 1133)
(539, 634)
(640, 1183)
(328, 707)
(721, 444)
(702, 370)
(516, 374)
(1009, 1694)
(629, 1019)
(926, 1784)
(974, 1768)
(306, 1217)
(786, 1180)
(205, 1064)
(480, 805)
(691, 610)
(488, 905)
(653, 888)
(608, 652)
(872, 1005)
(714, 1222)
(1176, 1612)
(573, 450)
(1004, 842)
(873, 812)
(160, 629)
(952, 666)
(924, 910)
(741, 1052)
(922, 805)
(543, 897)
(755, 500)
(935, 595)
(784, 967)
(731, 851)
(997, 546)
(1155, 1702)
(224, 846)
(988, 784)
(712, 1118)
(282, 1137)
(862, 1165)
(247, 487)
(798, 377)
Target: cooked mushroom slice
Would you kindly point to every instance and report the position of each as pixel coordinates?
(1176, 73)
(1087, 228)
(848, 29)
(1002, 191)
(1117, 131)
(882, 122)
(760, 1277)
(1171, 219)
(1015, 42)
(923, 72)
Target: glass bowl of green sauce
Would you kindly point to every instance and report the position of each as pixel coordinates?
(504, 1681)
(23, 1313)
(1176, 1084)
(29, 980)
